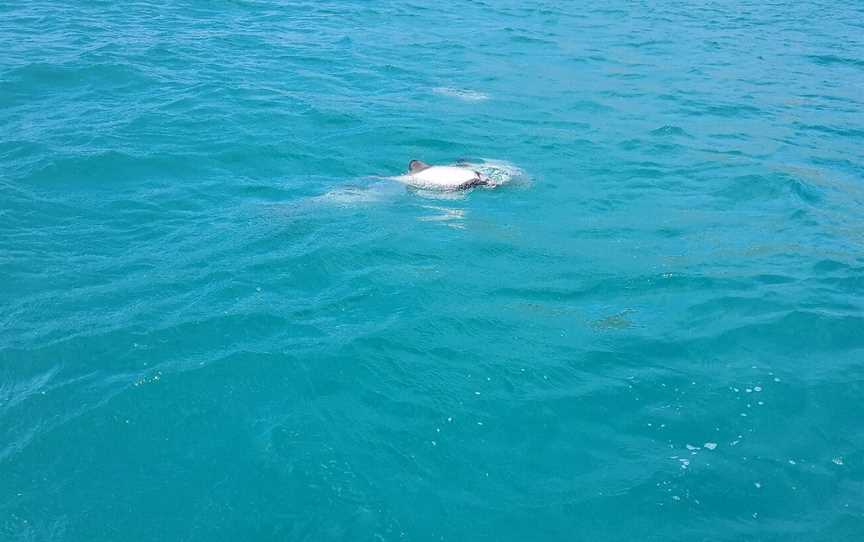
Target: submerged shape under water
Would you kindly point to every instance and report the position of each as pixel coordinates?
(219, 322)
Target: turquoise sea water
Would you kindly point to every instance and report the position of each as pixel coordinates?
(219, 321)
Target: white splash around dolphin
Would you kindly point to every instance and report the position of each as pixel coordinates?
(500, 172)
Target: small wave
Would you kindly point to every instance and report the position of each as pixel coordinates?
(827, 60)
(357, 194)
(349, 195)
(461, 94)
(447, 216)
(669, 130)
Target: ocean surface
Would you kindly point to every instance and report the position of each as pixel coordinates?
(220, 319)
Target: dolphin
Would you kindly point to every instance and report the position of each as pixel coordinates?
(458, 177)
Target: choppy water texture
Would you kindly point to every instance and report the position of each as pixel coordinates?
(220, 321)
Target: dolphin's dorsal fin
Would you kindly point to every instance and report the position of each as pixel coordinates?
(415, 166)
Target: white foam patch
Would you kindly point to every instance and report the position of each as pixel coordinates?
(347, 196)
(356, 195)
(447, 216)
(461, 94)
